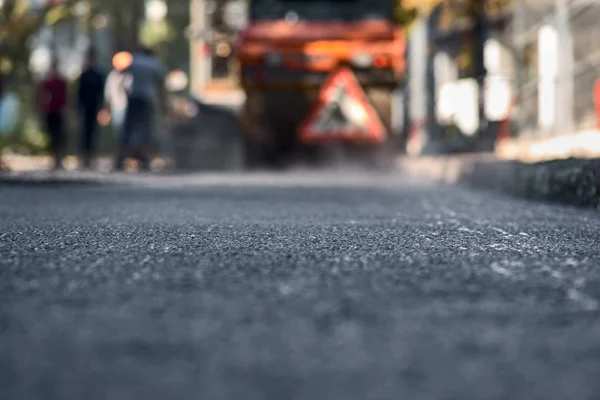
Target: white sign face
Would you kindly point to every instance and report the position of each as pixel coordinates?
(342, 113)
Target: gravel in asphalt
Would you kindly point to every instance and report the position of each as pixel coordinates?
(360, 288)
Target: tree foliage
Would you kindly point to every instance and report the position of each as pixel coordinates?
(18, 23)
(454, 12)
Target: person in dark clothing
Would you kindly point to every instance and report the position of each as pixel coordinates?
(52, 101)
(90, 98)
(144, 93)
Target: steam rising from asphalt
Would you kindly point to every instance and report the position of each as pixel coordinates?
(212, 140)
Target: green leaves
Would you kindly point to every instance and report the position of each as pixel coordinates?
(453, 11)
(155, 33)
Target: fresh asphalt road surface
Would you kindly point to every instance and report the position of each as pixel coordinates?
(295, 287)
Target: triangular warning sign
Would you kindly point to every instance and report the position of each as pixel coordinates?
(342, 112)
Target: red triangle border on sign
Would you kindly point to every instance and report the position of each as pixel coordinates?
(376, 131)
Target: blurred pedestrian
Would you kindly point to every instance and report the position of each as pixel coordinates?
(145, 92)
(115, 96)
(10, 112)
(52, 102)
(90, 98)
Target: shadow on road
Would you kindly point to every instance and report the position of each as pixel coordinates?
(48, 181)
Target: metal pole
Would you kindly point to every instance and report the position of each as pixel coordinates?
(518, 28)
(208, 40)
(195, 5)
(433, 129)
(200, 62)
(565, 106)
(481, 37)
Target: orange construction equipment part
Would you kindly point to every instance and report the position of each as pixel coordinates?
(597, 101)
(342, 112)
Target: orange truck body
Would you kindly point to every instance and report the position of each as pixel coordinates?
(283, 64)
(318, 48)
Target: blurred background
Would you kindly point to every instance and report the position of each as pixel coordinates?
(534, 62)
(33, 32)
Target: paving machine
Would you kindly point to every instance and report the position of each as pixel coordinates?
(318, 74)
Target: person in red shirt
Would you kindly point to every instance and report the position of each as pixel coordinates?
(52, 102)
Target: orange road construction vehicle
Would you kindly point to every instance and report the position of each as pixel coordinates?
(319, 72)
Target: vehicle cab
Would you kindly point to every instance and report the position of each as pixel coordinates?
(298, 43)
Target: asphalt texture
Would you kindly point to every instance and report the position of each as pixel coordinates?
(294, 286)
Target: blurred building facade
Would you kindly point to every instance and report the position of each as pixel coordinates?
(542, 60)
(560, 65)
(212, 32)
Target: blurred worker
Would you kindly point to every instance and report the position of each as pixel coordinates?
(90, 100)
(115, 96)
(51, 102)
(222, 61)
(145, 90)
(9, 111)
